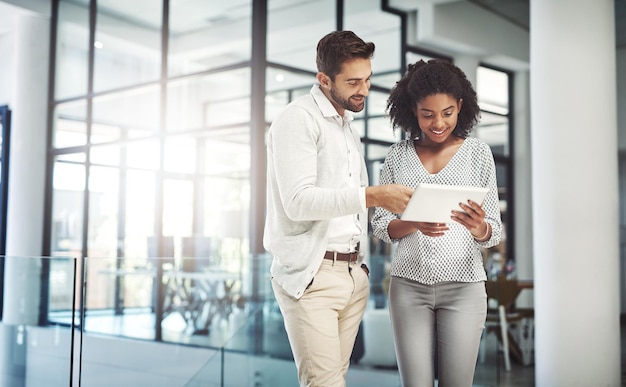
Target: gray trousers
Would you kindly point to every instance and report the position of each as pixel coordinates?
(453, 313)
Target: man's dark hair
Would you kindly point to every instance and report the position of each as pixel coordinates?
(423, 79)
(338, 47)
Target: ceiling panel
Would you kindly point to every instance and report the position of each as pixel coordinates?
(518, 12)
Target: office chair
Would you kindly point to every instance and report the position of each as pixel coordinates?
(502, 316)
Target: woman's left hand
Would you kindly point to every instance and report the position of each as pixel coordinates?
(472, 217)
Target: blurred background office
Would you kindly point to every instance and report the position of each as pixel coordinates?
(132, 186)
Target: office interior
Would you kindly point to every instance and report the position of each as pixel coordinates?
(132, 190)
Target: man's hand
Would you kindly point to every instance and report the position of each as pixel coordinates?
(392, 197)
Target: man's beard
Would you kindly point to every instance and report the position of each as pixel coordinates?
(345, 103)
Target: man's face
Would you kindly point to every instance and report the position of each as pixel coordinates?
(350, 87)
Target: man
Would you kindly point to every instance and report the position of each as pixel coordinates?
(317, 200)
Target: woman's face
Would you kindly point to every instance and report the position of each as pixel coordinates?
(437, 116)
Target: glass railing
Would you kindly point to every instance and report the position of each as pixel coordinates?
(33, 350)
(169, 322)
(258, 354)
(160, 320)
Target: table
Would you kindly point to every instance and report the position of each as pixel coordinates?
(128, 272)
(200, 297)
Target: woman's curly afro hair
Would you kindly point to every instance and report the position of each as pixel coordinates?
(424, 79)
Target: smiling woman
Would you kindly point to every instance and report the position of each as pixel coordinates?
(437, 271)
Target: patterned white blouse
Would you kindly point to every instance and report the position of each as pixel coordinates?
(455, 256)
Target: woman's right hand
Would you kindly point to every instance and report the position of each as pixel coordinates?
(400, 228)
(431, 229)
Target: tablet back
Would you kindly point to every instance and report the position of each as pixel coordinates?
(434, 202)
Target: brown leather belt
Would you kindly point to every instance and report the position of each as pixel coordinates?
(348, 257)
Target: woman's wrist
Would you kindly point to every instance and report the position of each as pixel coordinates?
(485, 236)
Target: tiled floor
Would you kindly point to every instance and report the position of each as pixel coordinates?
(518, 376)
(140, 325)
(489, 373)
(521, 376)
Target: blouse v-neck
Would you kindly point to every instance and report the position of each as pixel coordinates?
(419, 160)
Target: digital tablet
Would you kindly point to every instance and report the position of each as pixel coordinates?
(435, 202)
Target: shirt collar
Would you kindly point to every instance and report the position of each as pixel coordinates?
(326, 107)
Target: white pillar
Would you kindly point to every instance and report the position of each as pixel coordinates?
(27, 165)
(575, 193)
(25, 39)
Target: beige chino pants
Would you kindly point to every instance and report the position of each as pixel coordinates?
(322, 325)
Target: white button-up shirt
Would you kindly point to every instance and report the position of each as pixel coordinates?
(316, 180)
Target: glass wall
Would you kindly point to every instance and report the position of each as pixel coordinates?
(151, 151)
(127, 43)
(493, 90)
(72, 50)
(151, 130)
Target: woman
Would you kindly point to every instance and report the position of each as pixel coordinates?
(437, 294)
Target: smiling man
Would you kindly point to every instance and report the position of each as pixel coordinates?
(317, 198)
